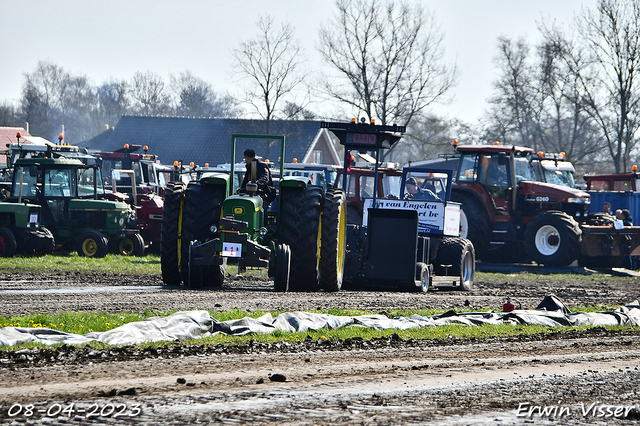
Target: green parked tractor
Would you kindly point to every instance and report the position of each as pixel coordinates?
(21, 231)
(74, 208)
(300, 238)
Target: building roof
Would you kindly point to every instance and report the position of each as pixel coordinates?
(205, 140)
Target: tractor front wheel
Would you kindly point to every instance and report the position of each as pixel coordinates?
(130, 245)
(553, 238)
(283, 268)
(92, 244)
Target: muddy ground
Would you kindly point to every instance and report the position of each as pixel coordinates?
(576, 377)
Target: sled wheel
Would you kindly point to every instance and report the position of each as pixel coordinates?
(553, 238)
(299, 228)
(456, 257)
(423, 278)
(170, 233)
(92, 244)
(8, 244)
(283, 268)
(333, 240)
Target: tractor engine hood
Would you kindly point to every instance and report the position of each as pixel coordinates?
(548, 192)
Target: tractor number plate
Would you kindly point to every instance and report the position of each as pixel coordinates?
(33, 218)
(231, 250)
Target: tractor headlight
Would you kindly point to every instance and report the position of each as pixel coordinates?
(263, 231)
(579, 200)
(121, 221)
(213, 229)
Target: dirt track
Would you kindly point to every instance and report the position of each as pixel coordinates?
(388, 381)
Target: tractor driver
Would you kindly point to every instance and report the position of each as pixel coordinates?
(262, 177)
(413, 191)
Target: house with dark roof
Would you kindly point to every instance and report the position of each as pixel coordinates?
(208, 140)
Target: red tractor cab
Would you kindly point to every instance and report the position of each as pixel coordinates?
(129, 172)
(360, 186)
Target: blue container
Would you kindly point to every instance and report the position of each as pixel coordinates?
(618, 199)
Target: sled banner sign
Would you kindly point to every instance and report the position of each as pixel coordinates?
(433, 217)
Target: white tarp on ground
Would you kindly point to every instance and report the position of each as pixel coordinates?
(195, 324)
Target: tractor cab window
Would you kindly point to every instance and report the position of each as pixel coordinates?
(25, 182)
(351, 185)
(59, 183)
(494, 170)
(87, 183)
(524, 170)
(391, 186)
(493, 174)
(366, 187)
(467, 171)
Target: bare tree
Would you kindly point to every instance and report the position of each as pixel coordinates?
(113, 102)
(8, 116)
(612, 36)
(512, 114)
(539, 101)
(387, 57)
(147, 90)
(196, 98)
(272, 63)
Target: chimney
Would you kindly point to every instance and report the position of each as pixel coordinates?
(26, 127)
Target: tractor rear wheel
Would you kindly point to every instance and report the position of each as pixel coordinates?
(170, 235)
(474, 223)
(92, 244)
(299, 228)
(553, 238)
(202, 208)
(283, 268)
(333, 240)
(456, 257)
(8, 244)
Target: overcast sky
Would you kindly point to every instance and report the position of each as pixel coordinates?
(116, 38)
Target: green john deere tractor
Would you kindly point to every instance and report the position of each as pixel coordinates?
(74, 208)
(300, 238)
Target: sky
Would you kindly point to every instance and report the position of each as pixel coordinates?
(117, 38)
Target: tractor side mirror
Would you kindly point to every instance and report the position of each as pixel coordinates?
(33, 171)
(502, 159)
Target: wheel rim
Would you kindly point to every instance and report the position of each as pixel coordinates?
(425, 279)
(467, 268)
(464, 224)
(126, 247)
(547, 240)
(90, 247)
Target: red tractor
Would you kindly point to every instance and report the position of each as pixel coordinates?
(142, 178)
(360, 186)
(511, 217)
